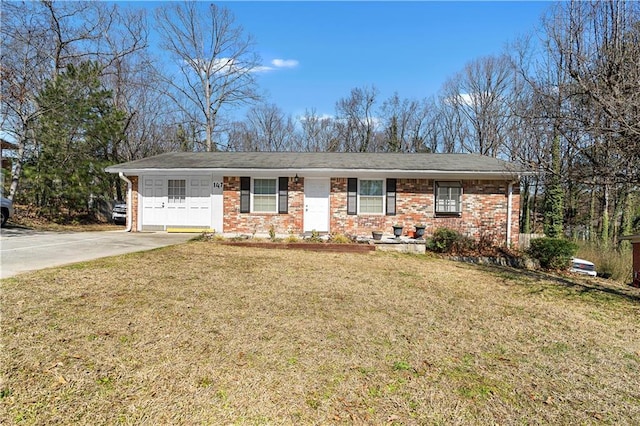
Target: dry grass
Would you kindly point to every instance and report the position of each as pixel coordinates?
(27, 216)
(611, 261)
(208, 334)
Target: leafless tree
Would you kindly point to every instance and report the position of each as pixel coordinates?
(318, 133)
(450, 125)
(479, 95)
(601, 41)
(355, 120)
(214, 60)
(239, 137)
(598, 43)
(272, 130)
(405, 124)
(583, 87)
(39, 39)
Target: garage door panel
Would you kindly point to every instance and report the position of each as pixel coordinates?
(166, 202)
(199, 201)
(154, 199)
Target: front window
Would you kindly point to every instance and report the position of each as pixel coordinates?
(371, 196)
(177, 189)
(265, 195)
(448, 198)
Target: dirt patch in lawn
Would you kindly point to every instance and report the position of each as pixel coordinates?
(204, 333)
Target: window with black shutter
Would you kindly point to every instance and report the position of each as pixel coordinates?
(352, 196)
(245, 194)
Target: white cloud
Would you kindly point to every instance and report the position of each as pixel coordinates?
(465, 99)
(227, 65)
(276, 64)
(317, 117)
(262, 68)
(468, 99)
(284, 63)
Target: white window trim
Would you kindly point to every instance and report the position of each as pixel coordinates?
(382, 197)
(275, 196)
(447, 184)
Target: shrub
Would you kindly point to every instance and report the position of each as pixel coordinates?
(315, 237)
(340, 239)
(443, 240)
(292, 238)
(552, 253)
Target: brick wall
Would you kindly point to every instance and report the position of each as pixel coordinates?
(260, 223)
(484, 210)
(134, 202)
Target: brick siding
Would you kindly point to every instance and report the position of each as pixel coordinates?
(484, 210)
(134, 202)
(236, 222)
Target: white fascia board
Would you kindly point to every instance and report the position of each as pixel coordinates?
(360, 173)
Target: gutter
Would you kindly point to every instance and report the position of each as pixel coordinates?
(509, 212)
(129, 201)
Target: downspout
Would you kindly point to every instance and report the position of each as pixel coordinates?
(129, 200)
(509, 212)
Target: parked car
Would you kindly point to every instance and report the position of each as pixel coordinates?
(7, 210)
(581, 266)
(119, 213)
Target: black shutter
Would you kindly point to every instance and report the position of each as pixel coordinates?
(391, 197)
(352, 196)
(283, 195)
(245, 194)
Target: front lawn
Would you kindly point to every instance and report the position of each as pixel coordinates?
(203, 333)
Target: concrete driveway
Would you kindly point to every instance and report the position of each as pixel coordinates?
(26, 250)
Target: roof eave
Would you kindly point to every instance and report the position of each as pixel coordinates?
(322, 172)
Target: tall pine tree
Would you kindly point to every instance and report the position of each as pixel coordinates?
(554, 194)
(76, 134)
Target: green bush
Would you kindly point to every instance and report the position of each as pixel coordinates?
(552, 253)
(444, 240)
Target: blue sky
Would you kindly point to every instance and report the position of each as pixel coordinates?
(410, 48)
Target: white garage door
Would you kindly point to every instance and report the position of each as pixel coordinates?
(199, 201)
(178, 201)
(154, 199)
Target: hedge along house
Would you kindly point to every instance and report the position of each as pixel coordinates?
(338, 193)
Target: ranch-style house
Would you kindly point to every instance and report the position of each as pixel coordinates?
(337, 193)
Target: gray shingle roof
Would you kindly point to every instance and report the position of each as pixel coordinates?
(334, 161)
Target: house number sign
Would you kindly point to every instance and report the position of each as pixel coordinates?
(217, 184)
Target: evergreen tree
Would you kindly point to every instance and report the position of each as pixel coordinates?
(553, 200)
(76, 133)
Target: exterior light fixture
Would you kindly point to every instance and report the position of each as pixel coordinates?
(296, 179)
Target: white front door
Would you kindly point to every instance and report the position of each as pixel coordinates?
(316, 205)
(154, 199)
